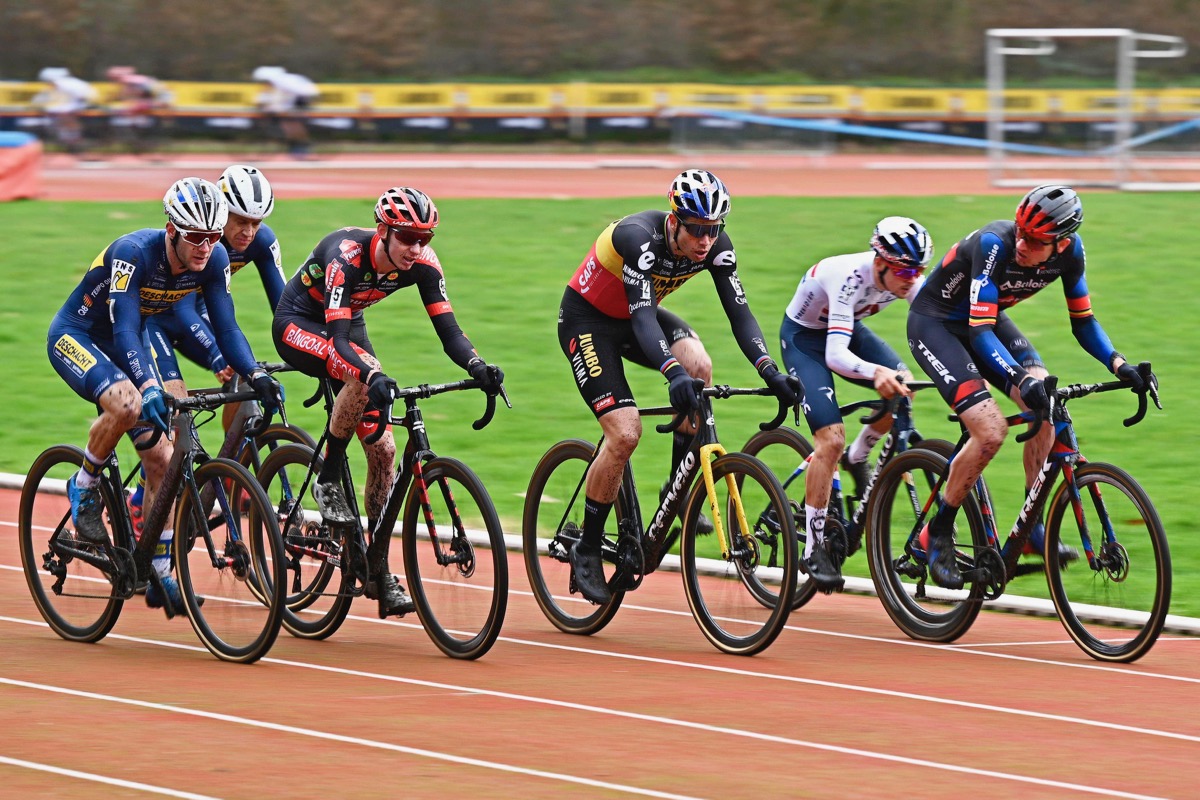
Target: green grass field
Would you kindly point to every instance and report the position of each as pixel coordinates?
(507, 262)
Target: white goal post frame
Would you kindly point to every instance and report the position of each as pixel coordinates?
(1118, 160)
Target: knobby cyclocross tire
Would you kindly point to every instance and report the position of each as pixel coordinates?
(783, 450)
(552, 504)
(87, 609)
(455, 561)
(230, 563)
(729, 614)
(903, 487)
(317, 601)
(1116, 611)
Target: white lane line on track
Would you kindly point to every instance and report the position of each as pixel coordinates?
(714, 728)
(452, 758)
(91, 776)
(458, 759)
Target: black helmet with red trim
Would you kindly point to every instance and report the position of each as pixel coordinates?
(402, 207)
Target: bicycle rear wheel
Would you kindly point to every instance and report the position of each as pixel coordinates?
(231, 562)
(731, 615)
(551, 523)
(316, 605)
(455, 560)
(783, 450)
(898, 567)
(1113, 604)
(76, 598)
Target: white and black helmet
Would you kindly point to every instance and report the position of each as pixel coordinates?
(195, 204)
(247, 191)
(903, 241)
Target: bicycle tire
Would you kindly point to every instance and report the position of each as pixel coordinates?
(1130, 586)
(83, 614)
(549, 508)
(311, 550)
(271, 439)
(899, 577)
(455, 559)
(230, 563)
(731, 616)
(783, 450)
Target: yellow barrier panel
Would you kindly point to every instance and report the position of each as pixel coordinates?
(808, 99)
(713, 95)
(906, 102)
(513, 97)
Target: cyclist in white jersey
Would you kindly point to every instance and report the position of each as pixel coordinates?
(822, 333)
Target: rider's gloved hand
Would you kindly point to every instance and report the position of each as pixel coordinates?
(1128, 373)
(785, 387)
(683, 391)
(490, 376)
(380, 390)
(1033, 394)
(154, 407)
(270, 393)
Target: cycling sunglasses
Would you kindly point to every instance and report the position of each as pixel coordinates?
(1022, 233)
(700, 230)
(200, 238)
(409, 238)
(907, 273)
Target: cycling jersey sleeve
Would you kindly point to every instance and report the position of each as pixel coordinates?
(985, 307)
(125, 311)
(745, 327)
(230, 339)
(432, 286)
(187, 313)
(1084, 325)
(843, 291)
(269, 262)
(631, 242)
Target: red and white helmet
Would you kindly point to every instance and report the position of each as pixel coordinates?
(402, 207)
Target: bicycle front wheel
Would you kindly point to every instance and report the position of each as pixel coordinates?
(551, 524)
(230, 562)
(455, 560)
(316, 604)
(783, 450)
(717, 579)
(1114, 603)
(898, 564)
(271, 439)
(75, 597)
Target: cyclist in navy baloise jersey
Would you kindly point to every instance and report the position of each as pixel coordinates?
(319, 330)
(823, 333)
(96, 341)
(610, 311)
(961, 335)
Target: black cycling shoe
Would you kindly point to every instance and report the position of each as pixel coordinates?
(393, 600)
(822, 571)
(588, 567)
(861, 472)
(943, 561)
(332, 503)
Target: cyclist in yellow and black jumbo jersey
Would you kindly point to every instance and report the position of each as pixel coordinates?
(97, 345)
(319, 330)
(961, 335)
(610, 311)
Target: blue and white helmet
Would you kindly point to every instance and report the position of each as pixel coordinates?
(903, 241)
(247, 191)
(195, 204)
(699, 194)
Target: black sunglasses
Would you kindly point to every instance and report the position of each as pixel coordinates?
(410, 238)
(701, 230)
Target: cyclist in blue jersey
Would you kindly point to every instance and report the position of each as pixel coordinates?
(97, 342)
(960, 333)
(185, 328)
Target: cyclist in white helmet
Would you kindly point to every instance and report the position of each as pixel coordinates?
(823, 333)
(96, 342)
(186, 328)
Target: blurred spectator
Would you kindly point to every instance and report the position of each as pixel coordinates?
(62, 102)
(284, 102)
(135, 116)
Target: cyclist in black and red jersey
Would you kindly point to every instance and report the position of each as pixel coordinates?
(961, 335)
(611, 311)
(319, 330)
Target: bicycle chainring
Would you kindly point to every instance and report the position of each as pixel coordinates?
(631, 563)
(124, 578)
(988, 572)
